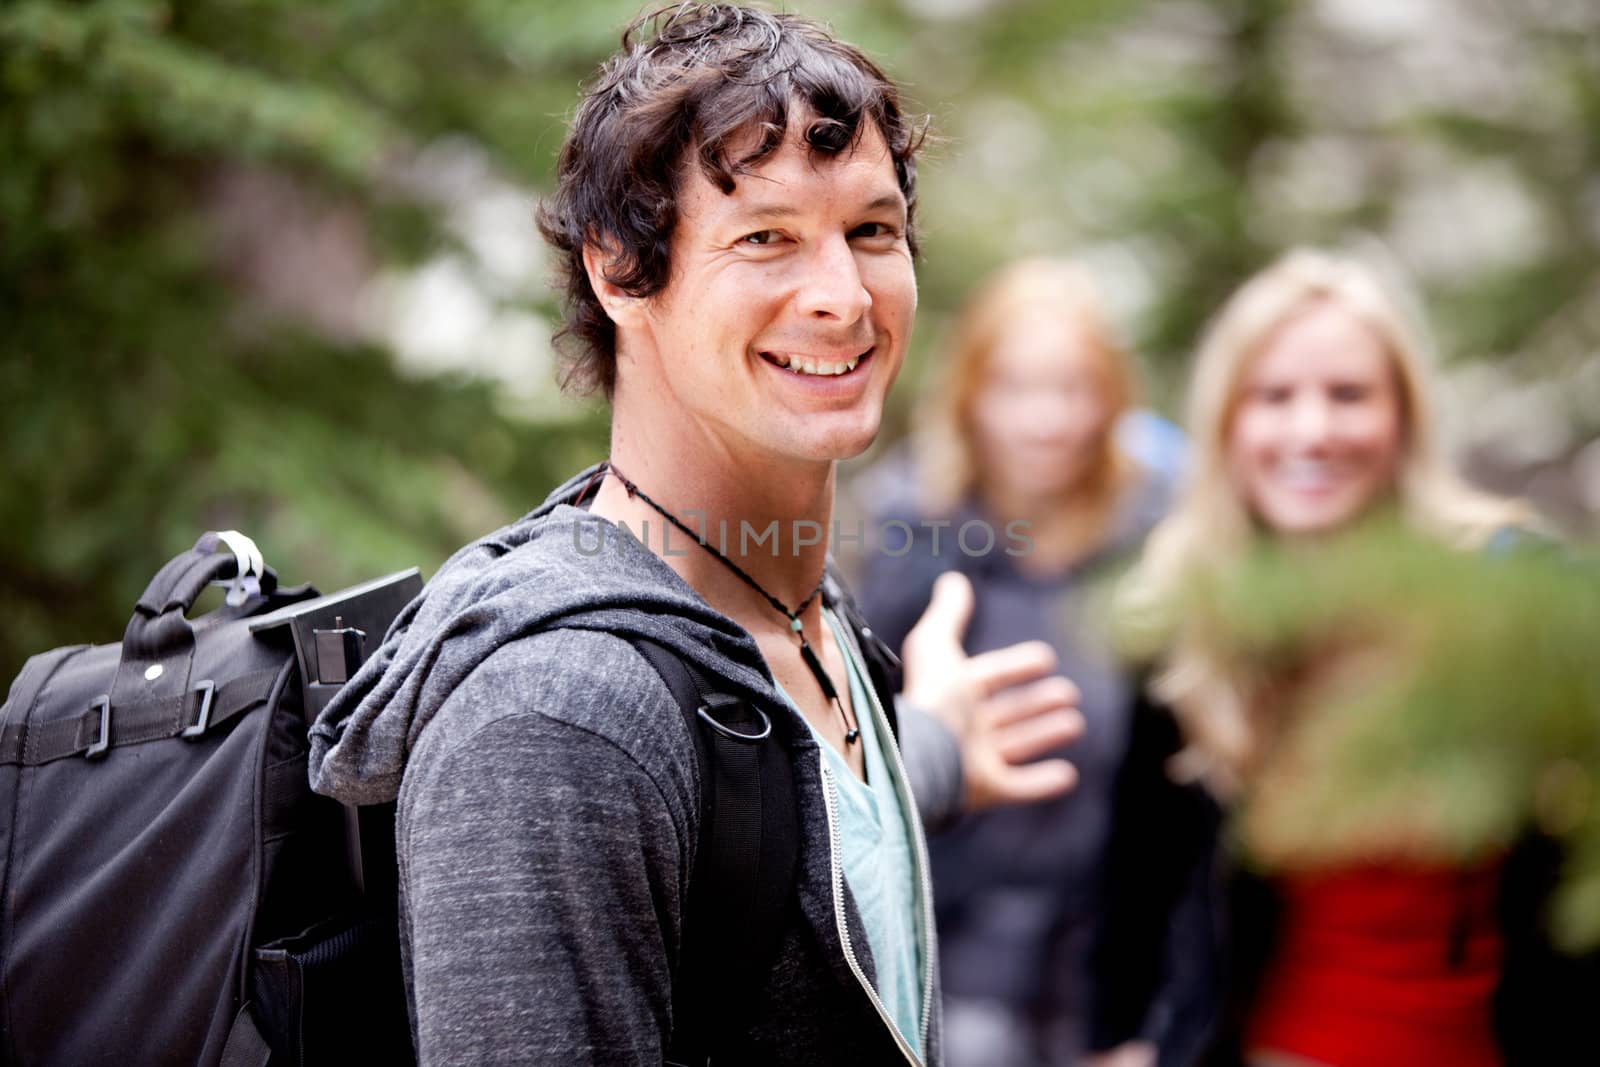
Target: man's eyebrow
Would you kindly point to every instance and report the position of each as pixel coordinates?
(888, 200)
(765, 211)
(781, 210)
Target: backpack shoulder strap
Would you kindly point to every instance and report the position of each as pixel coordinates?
(745, 862)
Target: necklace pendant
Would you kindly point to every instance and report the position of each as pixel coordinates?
(796, 625)
(852, 735)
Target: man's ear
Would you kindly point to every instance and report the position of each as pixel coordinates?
(622, 307)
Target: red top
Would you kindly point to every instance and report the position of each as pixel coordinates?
(1383, 967)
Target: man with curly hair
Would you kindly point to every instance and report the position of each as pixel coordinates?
(735, 213)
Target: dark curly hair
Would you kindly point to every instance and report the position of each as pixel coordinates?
(695, 78)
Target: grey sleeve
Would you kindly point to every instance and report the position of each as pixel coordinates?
(542, 873)
(933, 765)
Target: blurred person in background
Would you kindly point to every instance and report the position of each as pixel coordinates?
(1310, 413)
(1020, 459)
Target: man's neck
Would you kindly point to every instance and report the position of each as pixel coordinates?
(771, 519)
(767, 513)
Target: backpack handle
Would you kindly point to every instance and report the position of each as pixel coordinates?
(159, 633)
(179, 584)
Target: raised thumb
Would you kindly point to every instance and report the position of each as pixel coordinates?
(944, 622)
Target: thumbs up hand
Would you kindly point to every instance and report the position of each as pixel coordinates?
(1004, 707)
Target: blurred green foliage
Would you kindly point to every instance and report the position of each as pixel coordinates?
(1428, 704)
(169, 170)
(141, 401)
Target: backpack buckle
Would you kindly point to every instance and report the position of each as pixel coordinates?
(101, 745)
(207, 690)
(719, 702)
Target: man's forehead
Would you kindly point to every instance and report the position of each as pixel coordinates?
(866, 158)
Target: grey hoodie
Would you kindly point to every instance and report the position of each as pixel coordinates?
(549, 802)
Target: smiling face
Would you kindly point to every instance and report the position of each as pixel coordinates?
(788, 311)
(1042, 416)
(1317, 431)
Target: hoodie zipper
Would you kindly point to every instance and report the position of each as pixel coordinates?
(919, 850)
(908, 805)
(830, 801)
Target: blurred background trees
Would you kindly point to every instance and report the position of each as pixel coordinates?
(270, 264)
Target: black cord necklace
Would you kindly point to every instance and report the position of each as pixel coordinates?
(852, 731)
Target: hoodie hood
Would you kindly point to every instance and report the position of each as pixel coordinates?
(558, 567)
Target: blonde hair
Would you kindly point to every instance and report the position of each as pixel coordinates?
(947, 440)
(1211, 525)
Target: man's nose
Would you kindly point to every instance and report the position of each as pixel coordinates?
(831, 286)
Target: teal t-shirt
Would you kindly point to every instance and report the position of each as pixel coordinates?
(876, 851)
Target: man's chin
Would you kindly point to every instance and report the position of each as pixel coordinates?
(849, 445)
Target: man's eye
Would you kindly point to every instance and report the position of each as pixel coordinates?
(873, 229)
(760, 237)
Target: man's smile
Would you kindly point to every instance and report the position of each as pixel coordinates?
(825, 365)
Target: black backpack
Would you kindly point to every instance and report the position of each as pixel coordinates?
(171, 891)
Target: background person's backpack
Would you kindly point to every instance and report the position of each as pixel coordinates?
(171, 891)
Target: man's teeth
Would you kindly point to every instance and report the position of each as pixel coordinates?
(805, 366)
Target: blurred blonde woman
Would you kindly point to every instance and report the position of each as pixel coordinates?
(1020, 485)
(1393, 458)
(1310, 410)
